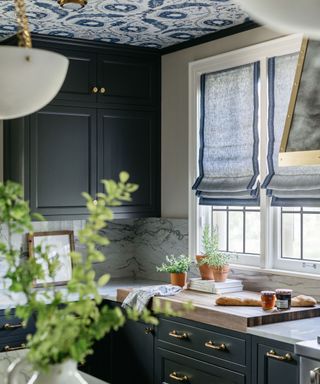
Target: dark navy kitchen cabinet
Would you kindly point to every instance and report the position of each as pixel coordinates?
(128, 140)
(133, 354)
(274, 362)
(105, 119)
(62, 159)
(127, 80)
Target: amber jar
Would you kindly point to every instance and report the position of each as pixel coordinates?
(283, 299)
(268, 300)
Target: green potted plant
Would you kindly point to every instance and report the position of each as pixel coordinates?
(65, 331)
(213, 265)
(177, 267)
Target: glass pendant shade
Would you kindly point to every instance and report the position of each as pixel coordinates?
(29, 79)
(288, 16)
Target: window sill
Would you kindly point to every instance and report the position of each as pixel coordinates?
(277, 272)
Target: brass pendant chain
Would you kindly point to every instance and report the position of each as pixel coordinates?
(24, 36)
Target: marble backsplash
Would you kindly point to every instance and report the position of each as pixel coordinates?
(139, 245)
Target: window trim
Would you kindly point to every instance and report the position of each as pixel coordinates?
(269, 217)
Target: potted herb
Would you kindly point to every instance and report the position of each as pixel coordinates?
(177, 267)
(65, 331)
(213, 264)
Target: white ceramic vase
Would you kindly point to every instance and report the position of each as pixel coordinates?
(65, 373)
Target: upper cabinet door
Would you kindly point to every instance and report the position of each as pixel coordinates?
(81, 77)
(128, 80)
(62, 160)
(129, 141)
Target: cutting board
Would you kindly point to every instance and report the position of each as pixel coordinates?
(230, 317)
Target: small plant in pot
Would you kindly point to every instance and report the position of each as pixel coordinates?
(177, 267)
(213, 264)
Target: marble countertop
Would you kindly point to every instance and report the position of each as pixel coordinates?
(109, 292)
(289, 331)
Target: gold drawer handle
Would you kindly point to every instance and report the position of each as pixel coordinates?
(273, 355)
(181, 336)
(7, 348)
(220, 347)
(177, 377)
(95, 90)
(103, 90)
(8, 326)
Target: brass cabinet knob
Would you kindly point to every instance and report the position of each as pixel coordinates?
(217, 347)
(95, 90)
(177, 377)
(103, 90)
(273, 355)
(177, 335)
(148, 331)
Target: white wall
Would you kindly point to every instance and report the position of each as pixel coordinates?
(174, 193)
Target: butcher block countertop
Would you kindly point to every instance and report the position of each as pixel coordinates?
(237, 318)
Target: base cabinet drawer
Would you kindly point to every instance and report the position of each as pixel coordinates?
(172, 368)
(13, 335)
(274, 362)
(211, 343)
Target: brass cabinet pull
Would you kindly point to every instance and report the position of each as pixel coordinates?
(181, 336)
(8, 326)
(7, 348)
(315, 376)
(95, 90)
(102, 90)
(148, 331)
(219, 347)
(177, 377)
(273, 355)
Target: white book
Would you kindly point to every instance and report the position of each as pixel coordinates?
(212, 283)
(218, 291)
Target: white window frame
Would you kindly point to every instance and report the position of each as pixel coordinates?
(199, 215)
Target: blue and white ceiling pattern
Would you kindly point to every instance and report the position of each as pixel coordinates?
(146, 23)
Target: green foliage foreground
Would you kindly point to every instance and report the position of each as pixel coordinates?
(64, 330)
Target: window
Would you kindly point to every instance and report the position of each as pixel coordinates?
(265, 236)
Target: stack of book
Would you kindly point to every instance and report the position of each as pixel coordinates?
(218, 288)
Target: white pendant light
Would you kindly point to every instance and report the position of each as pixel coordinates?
(29, 78)
(289, 16)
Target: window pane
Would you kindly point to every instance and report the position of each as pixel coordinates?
(311, 209)
(252, 232)
(311, 238)
(219, 220)
(291, 235)
(236, 231)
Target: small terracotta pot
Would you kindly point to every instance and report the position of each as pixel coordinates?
(179, 279)
(206, 271)
(221, 274)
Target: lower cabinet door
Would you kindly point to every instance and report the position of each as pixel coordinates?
(99, 364)
(275, 363)
(133, 354)
(173, 368)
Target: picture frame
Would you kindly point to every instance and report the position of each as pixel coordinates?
(61, 243)
(300, 143)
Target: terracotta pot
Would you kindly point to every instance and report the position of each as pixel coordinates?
(179, 279)
(206, 271)
(221, 274)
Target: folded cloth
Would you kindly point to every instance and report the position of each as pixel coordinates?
(139, 297)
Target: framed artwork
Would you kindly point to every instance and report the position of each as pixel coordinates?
(300, 143)
(61, 244)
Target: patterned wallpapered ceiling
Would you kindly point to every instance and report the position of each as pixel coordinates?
(147, 23)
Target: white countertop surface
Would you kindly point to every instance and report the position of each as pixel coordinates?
(109, 292)
(289, 331)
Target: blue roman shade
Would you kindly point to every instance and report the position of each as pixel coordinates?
(229, 137)
(294, 185)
